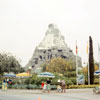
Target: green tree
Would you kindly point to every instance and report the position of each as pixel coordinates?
(60, 65)
(44, 66)
(9, 63)
(91, 61)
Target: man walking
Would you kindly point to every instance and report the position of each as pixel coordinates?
(63, 85)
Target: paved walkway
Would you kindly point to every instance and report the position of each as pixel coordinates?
(82, 93)
(77, 93)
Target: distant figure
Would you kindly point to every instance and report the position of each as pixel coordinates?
(48, 85)
(59, 88)
(63, 85)
(42, 85)
(4, 81)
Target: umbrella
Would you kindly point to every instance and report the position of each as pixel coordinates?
(24, 74)
(46, 74)
(97, 72)
(9, 75)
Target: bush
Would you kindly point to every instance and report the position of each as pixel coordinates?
(27, 81)
(96, 81)
(73, 80)
(68, 82)
(81, 86)
(71, 74)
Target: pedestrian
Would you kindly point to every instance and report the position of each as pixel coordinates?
(48, 85)
(42, 85)
(59, 88)
(63, 85)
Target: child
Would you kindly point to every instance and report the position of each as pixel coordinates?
(58, 88)
(42, 85)
(45, 87)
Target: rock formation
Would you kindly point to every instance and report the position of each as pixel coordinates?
(53, 45)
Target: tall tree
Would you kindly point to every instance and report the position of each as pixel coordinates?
(9, 63)
(60, 65)
(91, 61)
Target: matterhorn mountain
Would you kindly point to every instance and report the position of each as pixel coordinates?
(53, 38)
(53, 45)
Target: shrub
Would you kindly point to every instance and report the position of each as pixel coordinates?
(73, 80)
(82, 86)
(68, 82)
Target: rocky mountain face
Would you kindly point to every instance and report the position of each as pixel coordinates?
(53, 45)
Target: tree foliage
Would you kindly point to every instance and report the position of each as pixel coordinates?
(8, 63)
(60, 65)
(91, 61)
(85, 71)
(62, 68)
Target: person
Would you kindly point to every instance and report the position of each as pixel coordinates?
(42, 85)
(63, 85)
(59, 88)
(48, 85)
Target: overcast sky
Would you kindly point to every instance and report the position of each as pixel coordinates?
(23, 24)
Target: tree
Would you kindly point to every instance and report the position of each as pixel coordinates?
(85, 72)
(91, 61)
(43, 66)
(9, 63)
(96, 67)
(60, 65)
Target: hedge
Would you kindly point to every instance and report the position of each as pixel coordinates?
(29, 86)
(81, 86)
(53, 87)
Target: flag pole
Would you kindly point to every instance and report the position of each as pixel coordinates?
(88, 66)
(99, 60)
(76, 64)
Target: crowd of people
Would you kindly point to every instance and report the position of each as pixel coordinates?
(46, 86)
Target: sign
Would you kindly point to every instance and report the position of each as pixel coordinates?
(81, 79)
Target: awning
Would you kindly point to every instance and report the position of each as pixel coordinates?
(46, 74)
(24, 74)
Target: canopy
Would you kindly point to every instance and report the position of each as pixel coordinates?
(97, 72)
(46, 74)
(9, 75)
(24, 74)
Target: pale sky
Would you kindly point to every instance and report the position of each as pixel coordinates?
(23, 24)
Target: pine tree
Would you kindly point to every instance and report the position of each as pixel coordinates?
(91, 61)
